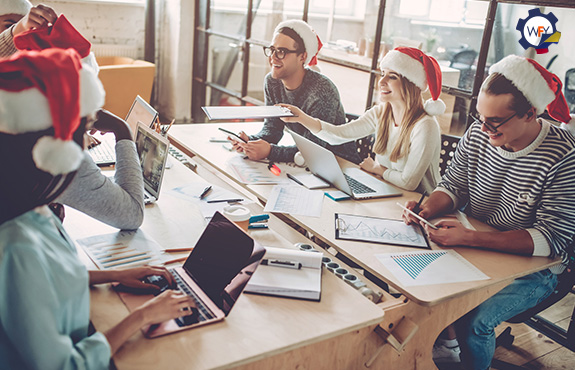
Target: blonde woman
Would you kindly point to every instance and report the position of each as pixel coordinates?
(407, 136)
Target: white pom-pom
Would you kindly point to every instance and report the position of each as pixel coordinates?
(569, 126)
(56, 156)
(434, 107)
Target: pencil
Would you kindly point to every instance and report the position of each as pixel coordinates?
(164, 132)
(176, 260)
(176, 250)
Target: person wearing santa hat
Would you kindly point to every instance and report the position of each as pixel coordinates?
(119, 203)
(515, 172)
(295, 45)
(44, 287)
(407, 136)
(18, 16)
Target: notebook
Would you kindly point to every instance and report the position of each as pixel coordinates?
(214, 275)
(104, 154)
(153, 152)
(352, 181)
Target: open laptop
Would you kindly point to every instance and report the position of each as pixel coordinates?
(352, 181)
(214, 275)
(153, 152)
(104, 154)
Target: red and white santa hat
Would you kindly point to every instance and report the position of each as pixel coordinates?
(19, 7)
(61, 34)
(419, 68)
(48, 88)
(542, 88)
(312, 43)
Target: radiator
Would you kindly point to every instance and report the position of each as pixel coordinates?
(109, 50)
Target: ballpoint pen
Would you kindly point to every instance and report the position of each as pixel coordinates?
(417, 208)
(278, 263)
(225, 200)
(205, 192)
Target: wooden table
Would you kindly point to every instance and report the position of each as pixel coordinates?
(425, 310)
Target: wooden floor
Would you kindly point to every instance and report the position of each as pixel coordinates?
(533, 350)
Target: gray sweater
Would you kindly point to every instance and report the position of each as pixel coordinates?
(316, 96)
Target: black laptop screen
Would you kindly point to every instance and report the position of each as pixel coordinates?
(223, 261)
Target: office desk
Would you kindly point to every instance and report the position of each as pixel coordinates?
(430, 308)
(261, 332)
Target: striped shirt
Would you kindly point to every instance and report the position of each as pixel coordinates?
(532, 189)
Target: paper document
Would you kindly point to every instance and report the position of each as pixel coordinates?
(295, 200)
(309, 180)
(246, 112)
(123, 249)
(215, 200)
(289, 282)
(379, 230)
(251, 172)
(430, 267)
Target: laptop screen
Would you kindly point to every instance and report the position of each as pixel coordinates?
(140, 111)
(223, 261)
(152, 151)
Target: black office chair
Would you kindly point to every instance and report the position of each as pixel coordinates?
(448, 146)
(530, 317)
(365, 144)
(570, 89)
(464, 61)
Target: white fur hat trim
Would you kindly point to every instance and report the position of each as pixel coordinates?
(434, 107)
(29, 111)
(55, 156)
(307, 34)
(527, 79)
(406, 66)
(20, 7)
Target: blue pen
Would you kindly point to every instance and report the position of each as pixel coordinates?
(257, 218)
(258, 226)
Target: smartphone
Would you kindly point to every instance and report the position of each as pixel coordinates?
(232, 134)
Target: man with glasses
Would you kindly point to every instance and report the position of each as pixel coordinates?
(294, 46)
(515, 172)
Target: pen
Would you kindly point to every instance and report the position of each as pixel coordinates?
(416, 209)
(278, 263)
(205, 192)
(258, 226)
(225, 200)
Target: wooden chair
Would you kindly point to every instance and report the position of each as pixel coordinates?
(530, 317)
(448, 145)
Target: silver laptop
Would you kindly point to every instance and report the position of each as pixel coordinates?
(153, 153)
(104, 154)
(352, 181)
(214, 275)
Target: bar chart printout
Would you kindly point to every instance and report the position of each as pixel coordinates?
(379, 230)
(430, 267)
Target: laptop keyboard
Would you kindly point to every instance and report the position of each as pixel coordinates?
(204, 313)
(102, 153)
(357, 187)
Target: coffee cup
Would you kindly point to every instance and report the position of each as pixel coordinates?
(240, 215)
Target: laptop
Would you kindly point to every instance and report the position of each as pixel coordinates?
(153, 152)
(104, 154)
(214, 275)
(353, 181)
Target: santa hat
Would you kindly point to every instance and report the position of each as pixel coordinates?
(311, 41)
(420, 69)
(542, 88)
(20, 7)
(43, 89)
(61, 34)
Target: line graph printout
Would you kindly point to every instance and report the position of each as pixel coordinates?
(430, 267)
(295, 200)
(379, 230)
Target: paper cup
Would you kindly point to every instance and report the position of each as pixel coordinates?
(240, 215)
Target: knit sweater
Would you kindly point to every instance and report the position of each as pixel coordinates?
(316, 96)
(7, 47)
(531, 189)
(418, 170)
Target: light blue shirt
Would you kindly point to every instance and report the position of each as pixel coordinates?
(44, 299)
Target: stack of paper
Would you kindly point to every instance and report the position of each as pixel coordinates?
(304, 282)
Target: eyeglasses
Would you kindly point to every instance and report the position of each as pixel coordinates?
(489, 125)
(279, 52)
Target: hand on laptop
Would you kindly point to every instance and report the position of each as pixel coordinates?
(169, 305)
(372, 166)
(134, 278)
(109, 122)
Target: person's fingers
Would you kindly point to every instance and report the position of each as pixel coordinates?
(47, 13)
(447, 223)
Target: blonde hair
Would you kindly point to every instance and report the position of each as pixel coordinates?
(414, 111)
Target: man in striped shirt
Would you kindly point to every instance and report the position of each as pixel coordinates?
(515, 172)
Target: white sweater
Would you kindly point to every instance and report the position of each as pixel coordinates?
(416, 171)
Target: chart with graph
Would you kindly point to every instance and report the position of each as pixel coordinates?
(379, 230)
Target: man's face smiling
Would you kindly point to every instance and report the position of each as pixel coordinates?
(291, 63)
